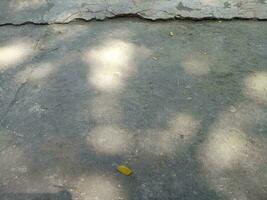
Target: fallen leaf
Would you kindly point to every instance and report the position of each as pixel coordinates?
(124, 170)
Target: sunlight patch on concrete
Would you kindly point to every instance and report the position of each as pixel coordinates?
(110, 64)
(256, 86)
(225, 148)
(109, 140)
(233, 149)
(231, 140)
(230, 157)
(197, 65)
(95, 186)
(13, 54)
(179, 133)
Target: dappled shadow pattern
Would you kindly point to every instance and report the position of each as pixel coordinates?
(186, 112)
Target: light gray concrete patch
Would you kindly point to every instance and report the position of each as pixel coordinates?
(61, 11)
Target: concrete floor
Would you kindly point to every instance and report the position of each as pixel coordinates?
(186, 111)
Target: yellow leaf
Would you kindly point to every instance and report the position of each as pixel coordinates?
(124, 170)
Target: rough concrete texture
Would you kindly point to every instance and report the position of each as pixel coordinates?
(186, 111)
(62, 11)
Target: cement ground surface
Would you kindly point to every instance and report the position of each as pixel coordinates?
(183, 104)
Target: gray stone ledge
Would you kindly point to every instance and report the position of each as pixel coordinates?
(63, 11)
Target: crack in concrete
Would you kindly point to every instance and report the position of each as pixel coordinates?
(139, 15)
(25, 23)
(13, 101)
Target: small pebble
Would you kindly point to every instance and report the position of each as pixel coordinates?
(232, 109)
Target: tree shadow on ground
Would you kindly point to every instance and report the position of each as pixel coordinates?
(126, 92)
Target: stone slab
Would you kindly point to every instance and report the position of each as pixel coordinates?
(63, 11)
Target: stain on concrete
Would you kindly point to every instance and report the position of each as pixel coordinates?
(181, 6)
(227, 5)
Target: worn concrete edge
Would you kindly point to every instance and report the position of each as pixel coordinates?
(133, 16)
